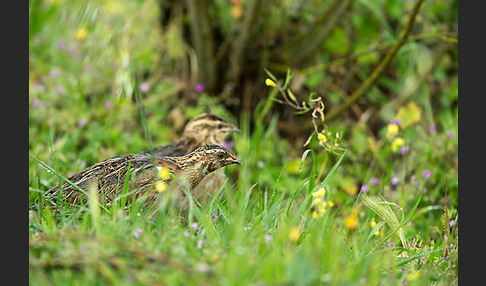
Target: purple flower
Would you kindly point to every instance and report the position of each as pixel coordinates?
(35, 102)
(138, 233)
(423, 259)
(186, 233)
(200, 244)
(54, 73)
(144, 86)
(373, 181)
(38, 86)
(61, 45)
(194, 226)
(108, 104)
(414, 181)
(394, 181)
(410, 223)
(214, 217)
(451, 224)
(427, 173)
(403, 150)
(450, 134)
(364, 188)
(268, 238)
(396, 121)
(60, 89)
(83, 249)
(199, 87)
(81, 122)
(88, 69)
(203, 267)
(229, 144)
(432, 128)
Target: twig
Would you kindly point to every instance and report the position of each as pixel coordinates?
(317, 40)
(251, 13)
(203, 41)
(323, 18)
(381, 66)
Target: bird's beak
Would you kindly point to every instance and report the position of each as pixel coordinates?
(236, 162)
(235, 130)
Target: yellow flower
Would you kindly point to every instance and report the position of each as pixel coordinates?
(237, 9)
(373, 224)
(397, 143)
(316, 214)
(81, 34)
(409, 114)
(413, 276)
(352, 220)
(351, 189)
(321, 207)
(294, 234)
(393, 129)
(322, 137)
(320, 193)
(161, 187)
(164, 173)
(269, 82)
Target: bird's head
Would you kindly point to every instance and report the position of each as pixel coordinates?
(209, 129)
(205, 160)
(218, 157)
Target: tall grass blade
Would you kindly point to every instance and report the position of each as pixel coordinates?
(312, 178)
(401, 224)
(143, 117)
(63, 178)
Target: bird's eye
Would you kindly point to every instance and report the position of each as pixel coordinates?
(220, 155)
(220, 126)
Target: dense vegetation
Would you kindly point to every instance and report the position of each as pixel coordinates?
(366, 196)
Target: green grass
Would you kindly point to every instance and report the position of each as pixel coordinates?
(83, 110)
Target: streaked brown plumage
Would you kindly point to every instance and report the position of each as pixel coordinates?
(109, 176)
(201, 130)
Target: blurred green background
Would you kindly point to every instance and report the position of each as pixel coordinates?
(86, 58)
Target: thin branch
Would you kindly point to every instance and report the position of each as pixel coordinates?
(368, 83)
(322, 33)
(322, 19)
(203, 41)
(251, 13)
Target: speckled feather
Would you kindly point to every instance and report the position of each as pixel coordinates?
(109, 175)
(201, 130)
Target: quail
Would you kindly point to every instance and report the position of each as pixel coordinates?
(145, 178)
(203, 129)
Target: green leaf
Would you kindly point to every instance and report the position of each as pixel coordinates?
(312, 179)
(375, 229)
